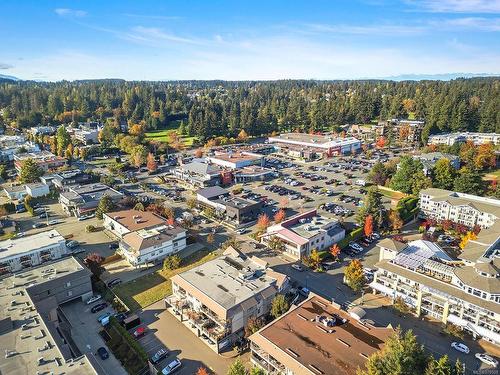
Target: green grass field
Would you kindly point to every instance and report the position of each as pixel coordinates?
(162, 135)
(148, 289)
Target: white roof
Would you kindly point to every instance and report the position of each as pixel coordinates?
(14, 247)
(418, 252)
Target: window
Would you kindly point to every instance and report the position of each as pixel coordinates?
(68, 284)
(70, 293)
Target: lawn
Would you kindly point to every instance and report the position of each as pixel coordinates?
(390, 193)
(148, 289)
(162, 135)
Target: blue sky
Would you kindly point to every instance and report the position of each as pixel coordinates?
(234, 40)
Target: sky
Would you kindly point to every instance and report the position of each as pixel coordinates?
(247, 40)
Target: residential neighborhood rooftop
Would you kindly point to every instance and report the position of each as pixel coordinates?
(134, 219)
(16, 246)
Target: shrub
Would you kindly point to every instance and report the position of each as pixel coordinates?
(90, 228)
(353, 236)
(172, 262)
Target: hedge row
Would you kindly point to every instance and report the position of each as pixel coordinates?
(353, 236)
(129, 339)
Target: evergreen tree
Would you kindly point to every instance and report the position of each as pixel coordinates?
(443, 174)
(30, 171)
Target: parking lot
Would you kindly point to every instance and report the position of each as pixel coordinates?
(85, 328)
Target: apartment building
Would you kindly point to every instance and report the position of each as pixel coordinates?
(11, 145)
(43, 343)
(302, 233)
(430, 159)
(199, 174)
(460, 208)
(316, 338)
(46, 160)
(86, 133)
(65, 179)
(464, 292)
(216, 299)
(25, 252)
(411, 128)
(83, 200)
(123, 222)
(152, 245)
(450, 139)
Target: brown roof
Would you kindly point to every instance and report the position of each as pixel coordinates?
(144, 239)
(470, 277)
(392, 244)
(306, 347)
(134, 219)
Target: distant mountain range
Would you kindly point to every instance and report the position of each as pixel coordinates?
(397, 78)
(2, 76)
(438, 77)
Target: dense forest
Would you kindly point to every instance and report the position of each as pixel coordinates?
(214, 108)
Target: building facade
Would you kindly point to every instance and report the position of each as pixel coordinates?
(152, 245)
(219, 307)
(25, 252)
(466, 209)
(198, 174)
(302, 233)
(83, 200)
(450, 139)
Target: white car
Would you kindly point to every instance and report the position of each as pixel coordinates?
(241, 231)
(461, 347)
(72, 244)
(172, 367)
(355, 246)
(54, 222)
(92, 299)
(375, 236)
(297, 267)
(485, 358)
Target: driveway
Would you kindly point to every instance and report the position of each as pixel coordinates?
(85, 330)
(164, 330)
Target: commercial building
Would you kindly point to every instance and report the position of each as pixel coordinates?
(462, 137)
(46, 160)
(312, 146)
(234, 209)
(199, 174)
(83, 200)
(410, 129)
(316, 338)
(466, 209)
(430, 159)
(253, 173)
(86, 134)
(302, 233)
(18, 192)
(236, 159)
(19, 253)
(63, 180)
(126, 221)
(217, 298)
(34, 333)
(11, 145)
(464, 292)
(152, 245)
(43, 130)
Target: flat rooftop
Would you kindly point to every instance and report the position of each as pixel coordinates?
(17, 246)
(237, 202)
(26, 342)
(313, 140)
(134, 219)
(311, 227)
(236, 156)
(306, 346)
(228, 281)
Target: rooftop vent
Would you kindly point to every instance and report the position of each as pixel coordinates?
(222, 287)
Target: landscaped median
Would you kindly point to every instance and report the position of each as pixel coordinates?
(148, 289)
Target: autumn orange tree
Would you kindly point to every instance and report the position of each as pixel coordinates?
(242, 135)
(279, 216)
(381, 142)
(202, 371)
(151, 163)
(354, 275)
(466, 238)
(335, 251)
(395, 220)
(198, 153)
(263, 222)
(485, 157)
(368, 228)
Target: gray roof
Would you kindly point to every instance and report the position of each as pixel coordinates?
(212, 191)
(200, 168)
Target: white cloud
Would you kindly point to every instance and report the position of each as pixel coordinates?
(156, 36)
(475, 23)
(382, 29)
(150, 16)
(5, 66)
(457, 6)
(66, 12)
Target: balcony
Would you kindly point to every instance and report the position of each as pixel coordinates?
(266, 361)
(209, 313)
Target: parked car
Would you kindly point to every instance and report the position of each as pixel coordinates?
(241, 231)
(72, 244)
(303, 291)
(103, 316)
(139, 332)
(114, 282)
(98, 307)
(172, 367)
(93, 299)
(103, 353)
(461, 347)
(38, 225)
(54, 222)
(485, 358)
(297, 267)
(355, 246)
(159, 355)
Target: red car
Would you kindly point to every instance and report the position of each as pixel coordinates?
(139, 332)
